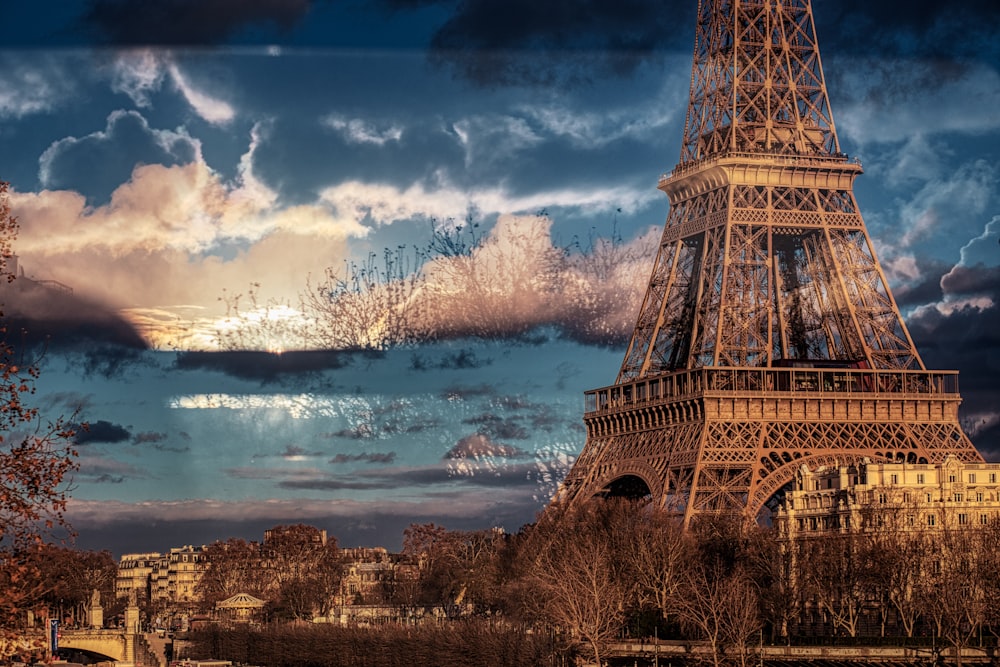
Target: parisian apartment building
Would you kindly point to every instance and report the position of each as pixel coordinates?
(880, 495)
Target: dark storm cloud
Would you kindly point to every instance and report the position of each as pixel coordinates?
(546, 419)
(559, 41)
(101, 431)
(433, 477)
(528, 42)
(498, 427)
(365, 457)
(335, 484)
(40, 312)
(111, 361)
(462, 359)
(263, 366)
(964, 335)
(480, 445)
(924, 28)
(927, 289)
(148, 437)
(188, 22)
(978, 279)
(294, 452)
(359, 432)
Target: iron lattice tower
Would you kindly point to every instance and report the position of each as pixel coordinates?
(768, 337)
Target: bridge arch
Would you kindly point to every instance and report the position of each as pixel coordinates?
(110, 644)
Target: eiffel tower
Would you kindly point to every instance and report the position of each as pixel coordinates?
(768, 338)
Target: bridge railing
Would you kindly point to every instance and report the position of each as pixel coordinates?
(826, 382)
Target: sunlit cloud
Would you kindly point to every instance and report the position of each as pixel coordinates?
(384, 203)
(211, 109)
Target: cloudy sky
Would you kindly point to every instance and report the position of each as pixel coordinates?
(195, 170)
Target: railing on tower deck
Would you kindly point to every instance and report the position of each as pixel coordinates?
(771, 382)
(792, 159)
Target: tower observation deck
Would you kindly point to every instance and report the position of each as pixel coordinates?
(768, 337)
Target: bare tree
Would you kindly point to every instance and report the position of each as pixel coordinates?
(253, 324)
(234, 566)
(375, 304)
(719, 601)
(660, 553)
(953, 588)
(602, 286)
(503, 285)
(576, 572)
(835, 578)
(772, 564)
(36, 462)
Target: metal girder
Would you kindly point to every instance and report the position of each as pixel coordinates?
(765, 267)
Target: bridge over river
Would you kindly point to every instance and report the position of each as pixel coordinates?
(118, 646)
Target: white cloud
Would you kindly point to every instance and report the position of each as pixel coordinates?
(358, 131)
(28, 88)
(590, 130)
(211, 109)
(983, 248)
(385, 204)
(137, 74)
(489, 138)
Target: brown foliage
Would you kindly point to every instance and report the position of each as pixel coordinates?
(452, 645)
(36, 460)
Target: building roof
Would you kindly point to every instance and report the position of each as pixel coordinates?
(240, 601)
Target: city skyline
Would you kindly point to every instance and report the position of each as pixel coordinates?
(166, 162)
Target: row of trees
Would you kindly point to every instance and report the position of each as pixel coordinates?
(461, 284)
(296, 568)
(597, 572)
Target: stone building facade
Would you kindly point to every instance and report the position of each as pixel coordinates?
(880, 495)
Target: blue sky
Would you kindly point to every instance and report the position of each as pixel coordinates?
(165, 157)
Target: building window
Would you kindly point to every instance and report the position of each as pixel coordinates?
(993, 478)
(881, 498)
(928, 497)
(895, 479)
(958, 497)
(963, 519)
(931, 519)
(972, 478)
(979, 496)
(951, 478)
(920, 478)
(983, 519)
